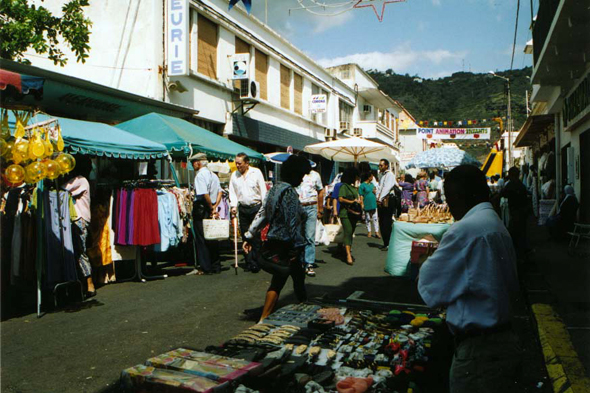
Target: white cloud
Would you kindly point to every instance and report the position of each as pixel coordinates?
(436, 3)
(401, 60)
(324, 23)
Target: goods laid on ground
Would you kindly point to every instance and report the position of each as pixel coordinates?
(324, 349)
(431, 214)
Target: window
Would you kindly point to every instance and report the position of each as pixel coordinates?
(298, 82)
(241, 47)
(285, 87)
(260, 76)
(207, 47)
(345, 112)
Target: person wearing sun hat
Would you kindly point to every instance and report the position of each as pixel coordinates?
(207, 197)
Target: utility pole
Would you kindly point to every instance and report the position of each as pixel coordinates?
(509, 124)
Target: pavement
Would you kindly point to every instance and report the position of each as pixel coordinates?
(84, 347)
(556, 285)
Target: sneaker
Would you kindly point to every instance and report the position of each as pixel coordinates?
(384, 248)
(309, 271)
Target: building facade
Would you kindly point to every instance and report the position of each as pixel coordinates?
(132, 44)
(559, 124)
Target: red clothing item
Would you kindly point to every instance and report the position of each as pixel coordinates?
(146, 230)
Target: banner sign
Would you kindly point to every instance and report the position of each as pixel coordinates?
(319, 103)
(177, 53)
(408, 155)
(240, 65)
(453, 133)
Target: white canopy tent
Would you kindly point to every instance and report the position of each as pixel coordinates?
(353, 149)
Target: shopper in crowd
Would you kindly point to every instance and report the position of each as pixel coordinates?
(407, 186)
(79, 187)
(207, 197)
(350, 209)
(247, 190)
(285, 216)
(421, 188)
(563, 221)
(385, 203)
(473, 274)
(369, 200)
(433, 195)
(311, 195)
(518, 207)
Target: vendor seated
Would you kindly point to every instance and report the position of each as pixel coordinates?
(563, 222)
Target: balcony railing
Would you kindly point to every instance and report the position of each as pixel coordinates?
(545, 16)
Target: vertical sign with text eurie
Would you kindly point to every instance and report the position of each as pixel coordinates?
(177, 43)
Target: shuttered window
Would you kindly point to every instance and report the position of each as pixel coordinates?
(298, 82)
(285, 87)
(261, 65)
(241, 47)
(207, 50)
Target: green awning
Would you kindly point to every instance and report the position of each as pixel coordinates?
(180, 135)
(99, 139)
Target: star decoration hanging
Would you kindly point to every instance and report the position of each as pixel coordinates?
(371, 3)
(247, 4)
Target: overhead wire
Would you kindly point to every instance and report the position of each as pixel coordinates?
(515, 32)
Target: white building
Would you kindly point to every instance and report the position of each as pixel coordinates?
(375, 115)
(558, 129)
(130, 45)
(410, 143)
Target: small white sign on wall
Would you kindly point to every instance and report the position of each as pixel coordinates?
(319, 103)
(177, 48)
(240, 63)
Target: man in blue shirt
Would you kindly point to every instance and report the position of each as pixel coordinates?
(473, 274)
(207, 197)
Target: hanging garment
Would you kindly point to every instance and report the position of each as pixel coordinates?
(121, 230)
(118, 252)
(99, 250)
(60, 264)
(169, 221)
(130, 216)
(145, 218)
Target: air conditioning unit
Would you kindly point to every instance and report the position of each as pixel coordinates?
(344, 126)
(249, 89)
(358, 132)
(368, 108)
(329, 133)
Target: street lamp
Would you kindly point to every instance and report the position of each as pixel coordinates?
(509, 122)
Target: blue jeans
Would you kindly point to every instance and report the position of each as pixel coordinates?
(311, 216)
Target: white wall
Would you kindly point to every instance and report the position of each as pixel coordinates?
(126, 46)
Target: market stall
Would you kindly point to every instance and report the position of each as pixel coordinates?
(312, 348)
(182, 138)
(34, 161)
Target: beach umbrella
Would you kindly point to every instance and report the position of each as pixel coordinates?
(280, 157)
(442, 157)
(353, 149)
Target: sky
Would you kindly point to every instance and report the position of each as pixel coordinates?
(427, 38)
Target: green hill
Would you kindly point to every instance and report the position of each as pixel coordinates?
(462, 96)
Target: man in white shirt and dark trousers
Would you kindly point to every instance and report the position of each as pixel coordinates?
(385, 202)
(207, 197)
(247, 191)
(310, 196)
(473, 274)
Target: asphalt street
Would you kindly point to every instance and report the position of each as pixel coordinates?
(83, 348)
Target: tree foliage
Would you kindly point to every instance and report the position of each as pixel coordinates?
(24, 25)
